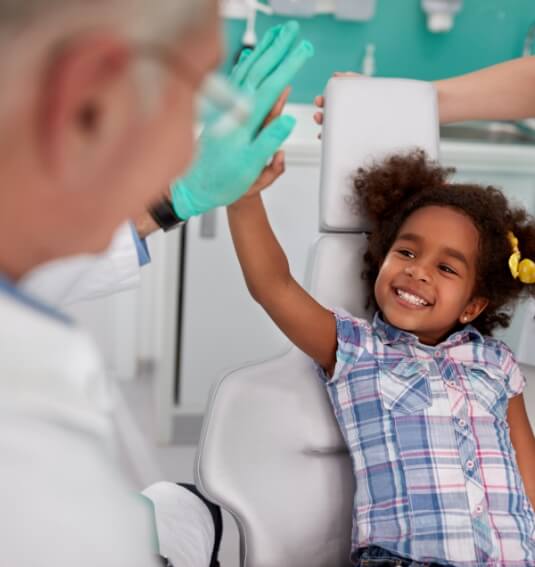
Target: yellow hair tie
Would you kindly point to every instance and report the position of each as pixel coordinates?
(524, 270)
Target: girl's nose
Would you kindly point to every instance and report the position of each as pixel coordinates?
(418, 273)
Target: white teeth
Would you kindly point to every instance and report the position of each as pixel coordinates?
(414, 299)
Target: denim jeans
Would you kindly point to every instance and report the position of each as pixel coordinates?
(375, 556)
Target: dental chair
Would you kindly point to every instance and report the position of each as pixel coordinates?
(270, 452)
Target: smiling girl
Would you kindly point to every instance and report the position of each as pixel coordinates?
(430, 405)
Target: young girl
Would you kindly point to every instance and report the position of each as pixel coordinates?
(430, 405)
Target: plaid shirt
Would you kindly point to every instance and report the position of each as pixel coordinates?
(426, 427)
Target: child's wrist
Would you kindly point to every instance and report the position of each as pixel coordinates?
(246, 202)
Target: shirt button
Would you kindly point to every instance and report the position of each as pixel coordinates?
(438, 353)
(470, 465)
(451, 383)
(479, 509)
(462, 423)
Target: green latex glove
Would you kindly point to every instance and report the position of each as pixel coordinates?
(227, 166)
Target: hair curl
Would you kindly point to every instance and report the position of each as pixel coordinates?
(390, 191)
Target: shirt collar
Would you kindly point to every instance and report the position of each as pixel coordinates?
(7, 287)
(392, 335)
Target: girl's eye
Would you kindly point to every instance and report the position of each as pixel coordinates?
(406, 253)
(447, 269)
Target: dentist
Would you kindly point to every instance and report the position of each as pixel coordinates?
(96, 116)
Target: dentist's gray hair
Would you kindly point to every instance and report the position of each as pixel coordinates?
(161, 17)
(32, 30)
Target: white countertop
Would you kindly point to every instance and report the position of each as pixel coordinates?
(304, 147)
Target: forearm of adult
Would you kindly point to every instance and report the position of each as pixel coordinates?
(263, 262)
(145, 224)
(502, 92)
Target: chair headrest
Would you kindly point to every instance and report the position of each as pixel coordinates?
(334, 274)
(364, 121)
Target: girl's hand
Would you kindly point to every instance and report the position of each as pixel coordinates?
(319, 101)
(278, 165)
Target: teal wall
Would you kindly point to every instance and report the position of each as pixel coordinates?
(485, 32)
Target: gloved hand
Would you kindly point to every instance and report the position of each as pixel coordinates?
(227, 166)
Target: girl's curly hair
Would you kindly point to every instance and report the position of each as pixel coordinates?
(392, 190)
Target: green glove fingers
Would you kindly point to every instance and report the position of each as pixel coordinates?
(242, 68)
(273, 56)
(243, 56)
(273, 86)
(227, 166)
(270, 68)
(270, 139)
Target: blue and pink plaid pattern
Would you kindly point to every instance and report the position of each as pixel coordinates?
(426, 427)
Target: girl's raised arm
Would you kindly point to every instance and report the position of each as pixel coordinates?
(301, 318)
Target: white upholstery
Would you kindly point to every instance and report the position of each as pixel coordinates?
(272, 456)
(334, 275)
(271, 452)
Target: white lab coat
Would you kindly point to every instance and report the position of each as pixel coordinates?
(69, 280)
(60, 477)
(64, 501)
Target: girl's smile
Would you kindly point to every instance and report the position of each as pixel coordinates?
(411, 298)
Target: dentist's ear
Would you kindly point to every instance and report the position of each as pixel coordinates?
(473, 310)
(87, 108)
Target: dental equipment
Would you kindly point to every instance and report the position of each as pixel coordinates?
(440, 14)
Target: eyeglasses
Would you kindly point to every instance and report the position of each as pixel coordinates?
(222, 107)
